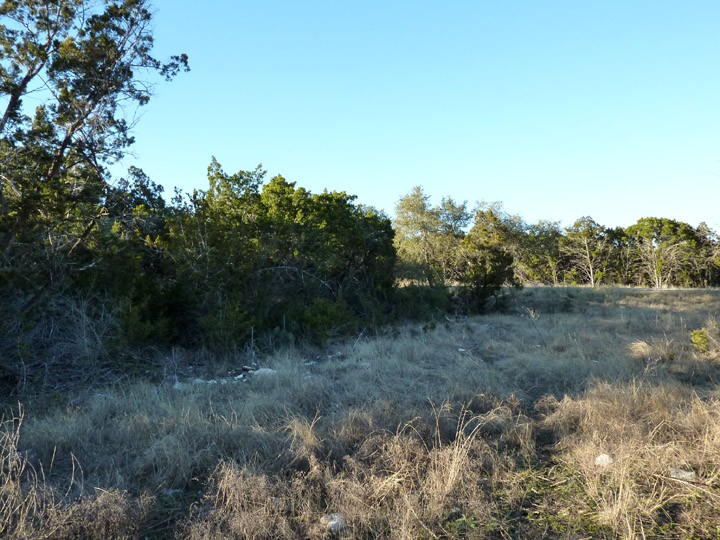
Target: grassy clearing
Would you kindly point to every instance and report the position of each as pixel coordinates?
(488, 427)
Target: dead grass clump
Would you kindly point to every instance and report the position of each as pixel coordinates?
(657, 351)
(31, 508)
(146, 438)
(241, 504)
(24, 502)
(407, 485)
(625, 445)
(352, 430)
(392, 485)
(641, 349)
(107, 514)
(64, 347)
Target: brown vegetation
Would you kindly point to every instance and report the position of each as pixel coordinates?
(575, 413)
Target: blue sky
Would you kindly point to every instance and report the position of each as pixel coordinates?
(558, 109)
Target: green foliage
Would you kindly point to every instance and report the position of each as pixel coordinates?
(435, 250)
(249, 256)
(70, 239)
(54, 181)
(325, 319)
(667, 252)
(586, 245)
(271, 255)
(462, 526)
(539, 259)
(428, 237)
(420, 302)
(488, 270)
(486, 264)
(706, 340)
(65, 229)
(700, 340)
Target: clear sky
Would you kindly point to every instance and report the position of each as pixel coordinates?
(558, 108)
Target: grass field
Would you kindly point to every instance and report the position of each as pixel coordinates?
(571, 413)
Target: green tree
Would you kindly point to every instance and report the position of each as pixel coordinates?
(586, 247)
(417, 225)
(334, 259)
(213, 239)
(667, 252)
(428, 237)
(621, 263)
(272, 259)
(706, 263)
(128, 263)
(539, 259)
(89, 62)
(487, 263)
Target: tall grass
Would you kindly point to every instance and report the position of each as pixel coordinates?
(486, 427)
(30, 508)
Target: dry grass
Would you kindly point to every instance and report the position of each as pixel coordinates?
(31, 509)
(651, 432)
(487, 427)
(392, 485)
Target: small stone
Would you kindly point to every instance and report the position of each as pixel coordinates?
(604, 460)
(682, 474)
(460, 349)
(335, 523)
(264, 371)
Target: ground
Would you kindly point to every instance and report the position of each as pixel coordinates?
(566, 414)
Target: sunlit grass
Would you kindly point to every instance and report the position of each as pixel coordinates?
(485, 427)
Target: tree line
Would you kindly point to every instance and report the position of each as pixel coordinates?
(434, 242)
(107, 266)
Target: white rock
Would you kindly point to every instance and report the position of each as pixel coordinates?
(460, 349)
(264, 371)
(179, 386)
(335, 523)
(604, 460)
(682, 474)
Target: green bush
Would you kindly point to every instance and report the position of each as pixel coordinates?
(700, 340)
(706, 340)
(421, 302)
(325, 319)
